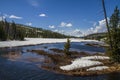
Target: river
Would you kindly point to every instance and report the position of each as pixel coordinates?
(19, 64)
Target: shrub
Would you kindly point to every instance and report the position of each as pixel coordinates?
(67, 48)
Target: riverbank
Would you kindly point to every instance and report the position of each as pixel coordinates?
(79, 64)
(35, 41)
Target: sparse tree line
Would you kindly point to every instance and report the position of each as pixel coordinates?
(43, 34)
(96, 36)
(10, 31)
(13, 31)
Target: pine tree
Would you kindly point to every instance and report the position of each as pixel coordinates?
(3, 35)
(7, 28)
(115, 35)
(14, 30)
(67, 47)
(20, 34)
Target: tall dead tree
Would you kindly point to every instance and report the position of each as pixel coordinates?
(107, 25)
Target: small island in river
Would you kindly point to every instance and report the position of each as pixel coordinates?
(79, 64)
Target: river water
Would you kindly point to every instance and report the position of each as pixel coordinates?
(18, 64)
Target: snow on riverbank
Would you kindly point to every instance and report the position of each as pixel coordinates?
(97, 68)
(95, 58)
(86, 62)
(34, 41)
(80, 64)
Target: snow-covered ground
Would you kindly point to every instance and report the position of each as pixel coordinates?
(95, 58)
(97, 68)
(86, 62)
(34, 41)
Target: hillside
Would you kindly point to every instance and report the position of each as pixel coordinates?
(40, 33)
(96, 36)
(13, 31)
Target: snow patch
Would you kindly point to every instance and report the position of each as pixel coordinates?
(84, 62)
(96, 57)
(34, 41)
(80, 64)
(97, 68)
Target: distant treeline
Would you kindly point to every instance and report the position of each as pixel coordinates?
(96, 36)
(10, 31)
(13, 31)
(41, 33)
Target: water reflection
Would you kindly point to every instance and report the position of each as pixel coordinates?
(12, 55)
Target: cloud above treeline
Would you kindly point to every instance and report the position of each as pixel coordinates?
(97, 27)
(64, 24)
(61, 25)
(10, 16)
(101, 27)
(42, 15)
(14, 17)
(63, 28)
(51, 26)
(75, 32)
(29, 23)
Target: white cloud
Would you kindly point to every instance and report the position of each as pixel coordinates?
(69, 25)
(63, 24)
(101, 27)
(76, 32)
(51, 26)
(60, 31)
(42, 15)
(15, 17)
(4, 16)
(29, 24)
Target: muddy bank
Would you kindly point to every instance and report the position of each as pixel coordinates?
(54, 62)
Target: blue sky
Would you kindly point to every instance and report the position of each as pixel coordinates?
(72, 17)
